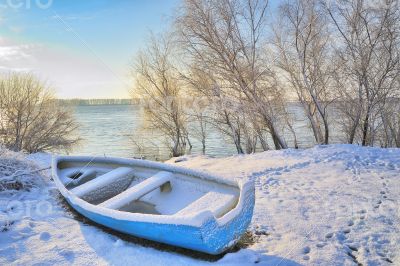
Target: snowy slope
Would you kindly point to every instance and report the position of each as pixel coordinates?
(334, 205)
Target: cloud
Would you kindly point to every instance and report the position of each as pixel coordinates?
(10, 53)
(71, 75)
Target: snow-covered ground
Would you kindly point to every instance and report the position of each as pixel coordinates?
(332, 205)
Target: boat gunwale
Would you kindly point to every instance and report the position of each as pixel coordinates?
(197, 220)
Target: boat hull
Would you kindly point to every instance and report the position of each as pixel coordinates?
(209, 238)
(211, 235)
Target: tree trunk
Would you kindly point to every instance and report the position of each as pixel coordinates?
(314, 127)
(326, 140)
(236, 140)
(278, 141)
(365, 129)
(353, 130)
(264, 144)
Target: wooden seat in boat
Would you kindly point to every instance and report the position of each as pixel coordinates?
(218, 203)
(101, 181)
(138, 191)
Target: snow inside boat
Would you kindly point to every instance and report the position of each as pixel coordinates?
(157, 201)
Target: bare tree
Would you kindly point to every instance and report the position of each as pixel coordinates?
(225, 39)
(197, 109)
(302, 38)
(260, 131)
(391, 124)
(31, 118)
(220, 112)
(158, 84)
(201, 129)
(227, 117)
(369, 56)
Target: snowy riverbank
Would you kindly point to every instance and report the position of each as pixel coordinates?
(334, 205)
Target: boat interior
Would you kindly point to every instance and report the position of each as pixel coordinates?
(146, 190)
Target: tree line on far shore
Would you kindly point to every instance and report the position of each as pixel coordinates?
(82, 102)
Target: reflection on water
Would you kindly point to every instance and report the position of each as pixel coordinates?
(108, 130)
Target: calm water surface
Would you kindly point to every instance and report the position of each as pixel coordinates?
(113, 130)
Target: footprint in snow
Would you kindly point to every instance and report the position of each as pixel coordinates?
(45, 236)
(69, 255)
(384, 257)
(354, 258)
(350, 223)
(329, 235)
(26, 231)
(306, 250)
(341, 236)
(388, 260)
(352, 248)
(378, 204)
(346, 231)
(362, 214)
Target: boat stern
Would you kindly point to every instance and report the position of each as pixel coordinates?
(221, 234)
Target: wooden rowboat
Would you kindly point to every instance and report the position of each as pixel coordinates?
(157, 201)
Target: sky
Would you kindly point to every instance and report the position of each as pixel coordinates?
(82, 49)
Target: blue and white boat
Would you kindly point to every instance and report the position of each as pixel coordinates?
(157, 201)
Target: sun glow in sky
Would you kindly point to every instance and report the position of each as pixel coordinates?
(83, 49)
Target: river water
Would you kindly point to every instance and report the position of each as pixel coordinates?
(116, 130)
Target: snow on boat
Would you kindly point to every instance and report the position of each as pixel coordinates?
(157, 201)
